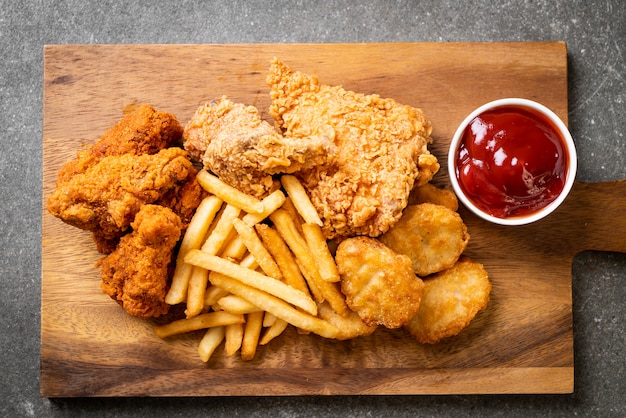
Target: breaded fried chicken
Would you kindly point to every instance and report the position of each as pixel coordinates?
(234, 142)
(136, 273)
(104, 187)
(381, 150)
(106, 197)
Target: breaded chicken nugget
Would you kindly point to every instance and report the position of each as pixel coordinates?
(429, 193)
(432, 236)
(451, 299)
(379, 284)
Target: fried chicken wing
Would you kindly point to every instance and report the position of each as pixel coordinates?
(106, 197)
(136, 274)
(379, 284)
(381, 150)
(451, 299)
(245, 151)
(432, 236)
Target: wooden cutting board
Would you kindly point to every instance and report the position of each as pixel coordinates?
(522, 343)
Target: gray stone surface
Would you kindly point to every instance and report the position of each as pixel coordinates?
(595, 32)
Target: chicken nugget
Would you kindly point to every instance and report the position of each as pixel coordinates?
(378, 283)
(432, 236)
(451, 299)
(429, 193)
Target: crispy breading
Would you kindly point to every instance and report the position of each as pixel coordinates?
(106, 197)
(379, 284)
(451, 299)
(432, 236)
(136, 274)
(381, 150)
(245, 151)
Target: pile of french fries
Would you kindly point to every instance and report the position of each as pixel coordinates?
(248, 268)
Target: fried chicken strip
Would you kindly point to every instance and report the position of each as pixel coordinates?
(245, 151)
(381, 150)
(136, 274)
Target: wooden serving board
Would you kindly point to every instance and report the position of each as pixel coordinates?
(523, 341)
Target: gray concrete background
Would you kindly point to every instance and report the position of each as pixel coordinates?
(595, 32)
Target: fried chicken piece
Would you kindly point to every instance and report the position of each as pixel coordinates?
(432, 236)
(106, 197)
(379, 284)
(144, 130)
(381, 150)
(451, 299)
(136, 274)
(245, 151)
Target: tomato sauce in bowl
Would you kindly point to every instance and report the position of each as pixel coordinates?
(512, 161)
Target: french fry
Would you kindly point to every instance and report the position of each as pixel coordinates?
(273, 331)
(214, 242)
(213, 294)
(291, 209)
(202, 321)
(229, 194)
(268, 320)
(270, 203)
(211, 340)
(236, 305)
(285, 225)
(249, 262)
(320, 252)
(283, 257)
(300, 199)
(195, 234)
(254, 244)
(277, 307)
(235, 249)
(234, 338)
(251, 335)
(252, 278)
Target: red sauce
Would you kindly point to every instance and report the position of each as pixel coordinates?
(511, 162)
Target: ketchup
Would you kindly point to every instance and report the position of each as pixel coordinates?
(511, 162)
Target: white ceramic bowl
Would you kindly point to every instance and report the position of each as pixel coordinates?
(570, 149)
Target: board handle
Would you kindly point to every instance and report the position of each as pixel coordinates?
(597, 212)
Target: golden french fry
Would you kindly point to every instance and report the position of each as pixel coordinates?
(251, 334)
(229, 194)
(252, 278)
(285, 225)
(234, 337)
(195, 234)
(320, 252)
(273, 331)
(213, 294)
(214, 242)
(249, 262)
(202, 321)
(300, 199)
(224, 226)
(270, 203)
(268, 320)
(211, 340)
(237, 305)
(254, 244)
(283, 257)
(277, 307)
(350, 325)
(291, 209)
(235, 249)
(196, 291)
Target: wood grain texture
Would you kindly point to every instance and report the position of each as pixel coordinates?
(522, 343)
